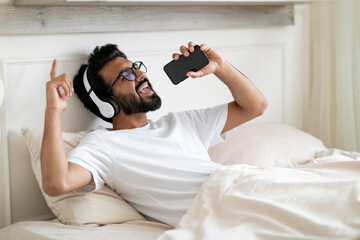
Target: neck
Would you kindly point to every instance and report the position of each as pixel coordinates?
(122, 121)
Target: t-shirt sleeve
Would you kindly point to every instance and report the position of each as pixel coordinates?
(91, 154)
(208, 123)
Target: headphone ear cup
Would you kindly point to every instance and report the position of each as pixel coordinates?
(108, 107)
(114, 104)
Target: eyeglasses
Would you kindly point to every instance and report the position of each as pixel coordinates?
(129, 73)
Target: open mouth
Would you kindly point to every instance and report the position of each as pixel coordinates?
(144, 88)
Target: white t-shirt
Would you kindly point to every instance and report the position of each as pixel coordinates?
(158, 168)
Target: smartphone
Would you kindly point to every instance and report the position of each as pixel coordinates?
(176, 69)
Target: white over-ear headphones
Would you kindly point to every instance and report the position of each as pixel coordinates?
(108, 108)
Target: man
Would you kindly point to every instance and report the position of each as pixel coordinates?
(157, 167)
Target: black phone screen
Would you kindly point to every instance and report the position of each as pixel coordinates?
(176, 69)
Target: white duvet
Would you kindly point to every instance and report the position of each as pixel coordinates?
(319, 200)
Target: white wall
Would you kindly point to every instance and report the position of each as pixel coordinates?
(275, 59)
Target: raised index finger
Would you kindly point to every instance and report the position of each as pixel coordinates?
(53, 70)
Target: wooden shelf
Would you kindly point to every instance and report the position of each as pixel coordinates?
(82, 16)
(152, 2)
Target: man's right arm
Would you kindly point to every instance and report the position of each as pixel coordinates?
(58, 175)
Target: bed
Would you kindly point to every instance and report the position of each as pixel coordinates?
(278, 182)
(268, 189)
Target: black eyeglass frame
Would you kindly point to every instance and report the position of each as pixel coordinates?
(136, 65)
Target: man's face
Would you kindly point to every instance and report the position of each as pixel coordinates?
(135, 96)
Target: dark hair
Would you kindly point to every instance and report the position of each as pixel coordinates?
(97, 60)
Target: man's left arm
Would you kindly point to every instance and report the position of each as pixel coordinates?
(248, 102)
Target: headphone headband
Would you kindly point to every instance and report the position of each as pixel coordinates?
(105, 107)
(86, 81)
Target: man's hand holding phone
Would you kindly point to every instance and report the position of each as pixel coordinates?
(194, 61)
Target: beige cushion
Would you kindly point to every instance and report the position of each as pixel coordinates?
(101, 207)
(266, 145)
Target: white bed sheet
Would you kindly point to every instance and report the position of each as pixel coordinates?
(46, 230)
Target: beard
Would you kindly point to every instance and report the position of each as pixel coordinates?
(130, 104)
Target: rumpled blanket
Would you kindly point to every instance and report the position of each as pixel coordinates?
(319, 200)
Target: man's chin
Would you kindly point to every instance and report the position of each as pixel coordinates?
(156, 104)
(131, 104)
(156, 101)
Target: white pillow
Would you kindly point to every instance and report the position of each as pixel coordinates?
(101, 207)
(266, 145)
